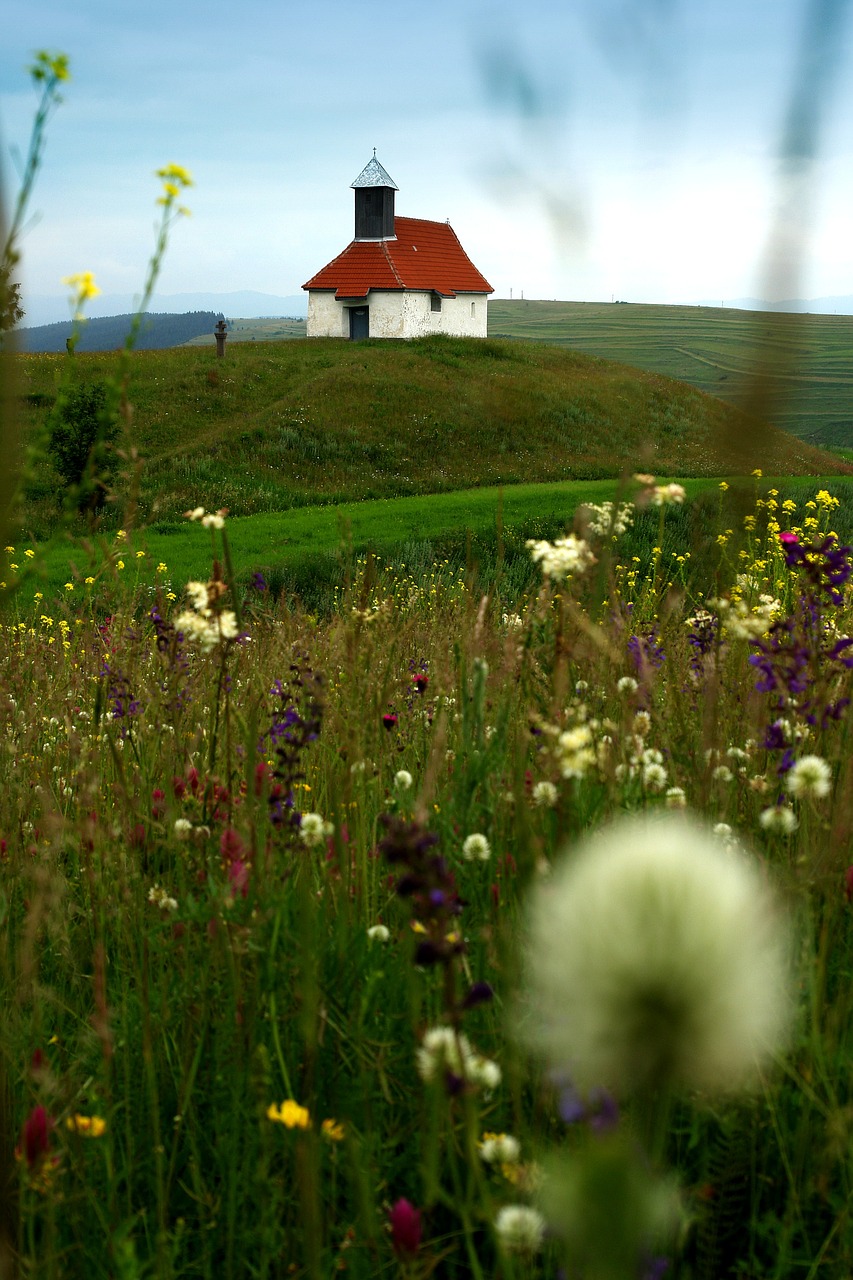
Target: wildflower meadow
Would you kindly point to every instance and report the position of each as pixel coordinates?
(451, 930)
(308, 967)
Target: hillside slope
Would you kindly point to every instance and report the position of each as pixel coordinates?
(795, 370)
(279, 425)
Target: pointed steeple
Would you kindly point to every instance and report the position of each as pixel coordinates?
(374, 202)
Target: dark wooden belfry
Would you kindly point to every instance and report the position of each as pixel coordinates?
(374, 203)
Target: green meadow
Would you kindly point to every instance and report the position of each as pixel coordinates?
(802, 362)
(275, 426)
(305, 552)
(284, 785)
(795, 369)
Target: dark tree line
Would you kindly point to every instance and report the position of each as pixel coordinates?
(109, 332)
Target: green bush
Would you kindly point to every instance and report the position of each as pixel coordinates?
(84, 429)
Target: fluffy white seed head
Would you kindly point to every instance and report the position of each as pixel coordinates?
(809, 777)
(476, 848)
(313, 829)
(519, 1228)
(655, 957)
(500, 1148)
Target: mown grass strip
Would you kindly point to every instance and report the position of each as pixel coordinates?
(285, 539)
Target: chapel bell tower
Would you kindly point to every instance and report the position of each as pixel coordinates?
(374, 203)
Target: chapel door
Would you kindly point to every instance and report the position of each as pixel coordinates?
(359, 323)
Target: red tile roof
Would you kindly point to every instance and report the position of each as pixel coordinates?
(424, 255)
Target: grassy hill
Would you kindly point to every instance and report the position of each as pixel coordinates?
(280, 425)
(794, 370)
(260, 329)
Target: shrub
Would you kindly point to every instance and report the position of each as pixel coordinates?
(83, 431)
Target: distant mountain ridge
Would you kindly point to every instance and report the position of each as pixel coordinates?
(841, 304)
(44, 309)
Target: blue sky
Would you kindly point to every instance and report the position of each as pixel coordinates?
(581, 149)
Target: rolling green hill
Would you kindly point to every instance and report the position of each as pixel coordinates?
(275, 426)
(795, 370)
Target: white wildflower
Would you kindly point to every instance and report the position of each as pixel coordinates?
(228, 628)
(722, 773)
(519, 1228)
(476, 848)
(739, 622)
(443, 1049)
(779, 818)
(607, 518)
(642, 723)
(574, 751)
(655, 958)
(192, 625)
(544, 795)
(402, 780)
(627, 684)
(160, 898)
(182, 828)
(500, 1148)
(313, 829)
(654, 777)
(666, 495)
(675, 798)
(562, 558)
(378, 933)
(197, 592)
(484, 1071)
(809, 777)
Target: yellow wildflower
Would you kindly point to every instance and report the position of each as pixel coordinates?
(332, 1130)
(290, 1114)
(83, 285)
(175, 174)
(88, 1126)
(53, 65)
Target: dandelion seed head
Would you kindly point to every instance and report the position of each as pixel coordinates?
(476, 848)
(520, 1228)
(810, 777)
(655, 957)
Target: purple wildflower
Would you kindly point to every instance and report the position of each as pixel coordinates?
(296, 723)
(646, 654)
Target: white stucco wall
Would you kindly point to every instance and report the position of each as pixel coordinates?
(399, 314)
